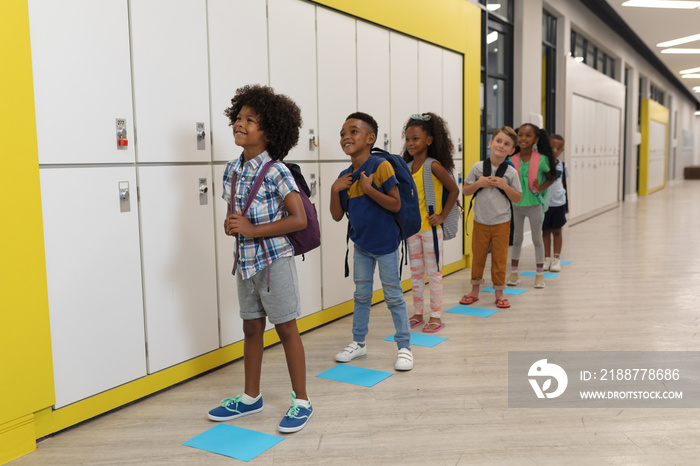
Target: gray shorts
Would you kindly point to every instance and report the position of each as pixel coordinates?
(281, 304)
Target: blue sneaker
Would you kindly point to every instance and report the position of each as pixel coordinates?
(231, 408)
(296, 418)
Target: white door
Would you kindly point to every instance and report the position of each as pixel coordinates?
(429, 78)
(452, 112)
(336, 288)
(337, 84)
(171, 80)
(230, 323)
(93, 268)
(237, 56)
(82, 80)
(404, 86)
(309, 269)
(179, 270)
(292, 51)
(373, 79)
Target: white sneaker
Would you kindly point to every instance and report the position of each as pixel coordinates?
(352, 351)
(539, 280)
(513, 279)
(556, 265)
(404, 361)
(547, 263)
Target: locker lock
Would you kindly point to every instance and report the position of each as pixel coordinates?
(386, 141)
(313, 143)
(122, 141)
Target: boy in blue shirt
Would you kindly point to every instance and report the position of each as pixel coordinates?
(372, 195)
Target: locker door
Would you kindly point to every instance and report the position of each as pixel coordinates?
(93, 267)
(292, 49)
(337, 83)
(336, 288)
(429, 78)
(373, 78)
(171, 80)
(404, 85)
(82, 80)
(239, 26)
(231, 325)
(452, 103)
(309, 269)
(179, 270)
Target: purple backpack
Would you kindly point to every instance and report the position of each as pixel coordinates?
(302, 240)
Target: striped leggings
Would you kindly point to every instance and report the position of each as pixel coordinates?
(421, 252)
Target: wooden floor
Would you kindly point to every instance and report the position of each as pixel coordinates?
(634, 284)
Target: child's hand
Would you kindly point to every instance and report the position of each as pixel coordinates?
(235, 224)
(436, 220)
(536, 184)
(342, 183)
(499, 182)
(366, 182)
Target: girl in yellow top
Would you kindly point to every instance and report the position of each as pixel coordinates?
(427, 137)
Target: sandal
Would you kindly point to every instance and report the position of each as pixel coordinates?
(415, 322)
(503, 303)
(429, 329)
(468, 299)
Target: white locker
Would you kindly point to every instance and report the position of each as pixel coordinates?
(230, 323)
(80, 57)
(373, 79)
(179, 270)
(292, 52)
(171, 80)
(237, 56)
(452, 112)
(93, 268)
(429, 78)
(404, 86)
(337, 83)
(309, 269)
(336, 288)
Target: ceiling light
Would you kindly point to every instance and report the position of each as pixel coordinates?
(696, 88)
(578, 59)
(682, 40)
(691, 70)
(690, 76)
(697, 113)
(681, 51)
(493, 7)
(663, 4)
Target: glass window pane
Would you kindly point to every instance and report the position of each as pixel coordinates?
(501, 7)
(496, 104)
(590, 55)
(580, 50)
(496, 43)
(610, 67)
(600, 63)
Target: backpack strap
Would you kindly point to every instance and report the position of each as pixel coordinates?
(563, 182)
(430, 203)
(533, 168)
(500, 172)
(259, 178)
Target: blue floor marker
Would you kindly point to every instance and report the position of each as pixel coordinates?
(236, 442)
(545, 274)
(422, 339)
(509, 290)
(472, 311)
(354, 375)
(565, 262)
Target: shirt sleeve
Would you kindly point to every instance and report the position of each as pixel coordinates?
(280, 177)
(385, 177)
(474, 173)
(513, 179)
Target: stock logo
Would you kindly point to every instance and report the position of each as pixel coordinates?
(542, 370)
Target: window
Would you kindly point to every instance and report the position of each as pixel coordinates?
(589, 53)
(549, 70)
(496, 71)
(656, 94)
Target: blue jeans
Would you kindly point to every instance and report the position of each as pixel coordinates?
(363, 275)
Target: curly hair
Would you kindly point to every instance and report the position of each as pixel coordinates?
(279, 117)
(442, 148)
(543, 147)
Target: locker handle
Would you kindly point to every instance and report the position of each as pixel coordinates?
(203, 189)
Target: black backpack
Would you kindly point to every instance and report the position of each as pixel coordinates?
(500, 171)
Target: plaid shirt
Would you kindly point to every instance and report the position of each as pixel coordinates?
(268, 206)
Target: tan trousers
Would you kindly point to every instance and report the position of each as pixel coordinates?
(497, 236)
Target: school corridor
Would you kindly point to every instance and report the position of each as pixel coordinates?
(633, 284)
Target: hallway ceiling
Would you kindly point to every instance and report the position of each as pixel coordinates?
(656, 25)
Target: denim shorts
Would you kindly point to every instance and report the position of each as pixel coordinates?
(281, 303)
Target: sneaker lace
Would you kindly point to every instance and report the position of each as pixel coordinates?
(226, 402)
(294, 410)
